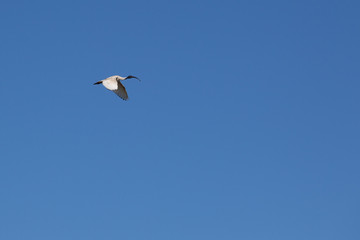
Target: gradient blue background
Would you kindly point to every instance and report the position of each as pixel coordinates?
(246, 124)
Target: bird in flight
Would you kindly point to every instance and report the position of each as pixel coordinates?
(113, 83)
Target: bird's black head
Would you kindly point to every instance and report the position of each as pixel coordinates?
(130, 76)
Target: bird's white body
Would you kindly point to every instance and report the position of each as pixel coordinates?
(113, 83)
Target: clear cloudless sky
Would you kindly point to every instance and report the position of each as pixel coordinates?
(246, 124)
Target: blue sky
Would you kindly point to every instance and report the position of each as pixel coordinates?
(246, 124)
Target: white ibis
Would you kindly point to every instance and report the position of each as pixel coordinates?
(113, 83)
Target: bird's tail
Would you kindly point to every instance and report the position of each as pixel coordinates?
(98, 82)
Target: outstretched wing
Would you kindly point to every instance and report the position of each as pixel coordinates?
(121, 91)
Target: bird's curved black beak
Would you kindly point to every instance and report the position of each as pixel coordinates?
(98, 82)
(130, 76)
